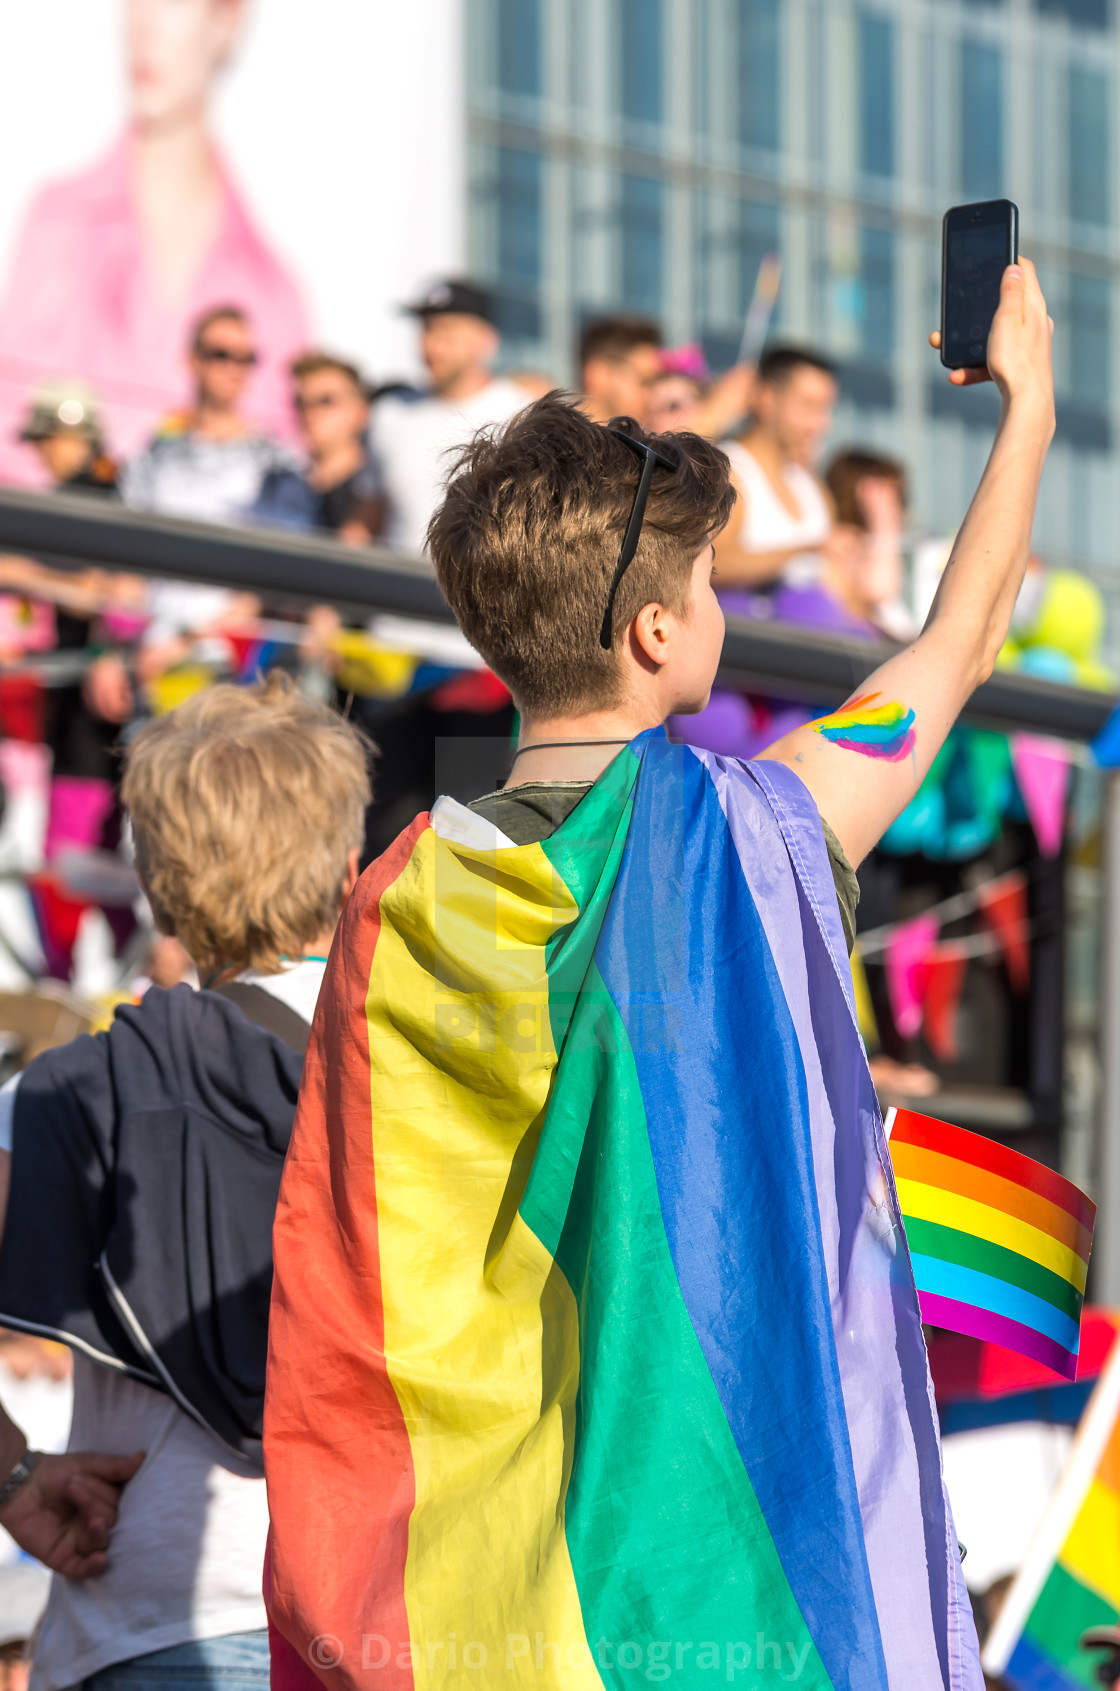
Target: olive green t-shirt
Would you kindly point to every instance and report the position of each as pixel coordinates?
(531, 813)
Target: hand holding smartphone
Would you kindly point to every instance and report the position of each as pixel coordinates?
(978, 243)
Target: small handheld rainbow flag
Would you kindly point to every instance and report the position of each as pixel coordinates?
(998, 1243)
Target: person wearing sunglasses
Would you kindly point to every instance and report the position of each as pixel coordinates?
(207, 463)
(340, 488)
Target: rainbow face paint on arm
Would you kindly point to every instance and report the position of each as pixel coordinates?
(874, 730)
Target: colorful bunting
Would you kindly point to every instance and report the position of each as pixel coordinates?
(1003, 905)
(907, 950)
(1042, 768)
(865, 1009)
(944, 979)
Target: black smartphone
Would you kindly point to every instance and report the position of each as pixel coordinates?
(978, 242)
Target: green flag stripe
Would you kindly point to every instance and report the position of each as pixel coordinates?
(1063, 1610)
(948, 1244)
(585, 851)
(645, 1517)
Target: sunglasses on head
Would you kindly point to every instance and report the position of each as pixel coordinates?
(651, 461)
(225, 355)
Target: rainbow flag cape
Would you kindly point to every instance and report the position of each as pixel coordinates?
(1070, 1579)
(595, 1354)
(999, 1243)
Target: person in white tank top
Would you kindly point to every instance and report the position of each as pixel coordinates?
(784, 514)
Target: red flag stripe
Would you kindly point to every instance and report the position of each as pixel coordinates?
(334, 1392)
(910, 1128)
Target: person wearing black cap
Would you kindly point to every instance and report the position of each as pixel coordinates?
(414, 435)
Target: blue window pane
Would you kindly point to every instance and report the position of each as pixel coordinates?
(519, 46)
(1089, 144)
(1089, 14)
(981, 120)
(1090, 340)
(640, 233)
(877, 290)
(758, 235)
(753, 232)
(876, 90)
(759, 68)
(640, 60)
(519, 239)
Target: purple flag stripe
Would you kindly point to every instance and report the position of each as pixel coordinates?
(965, 1318)
(924, 1612)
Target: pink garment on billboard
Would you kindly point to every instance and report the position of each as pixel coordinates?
(81, 301)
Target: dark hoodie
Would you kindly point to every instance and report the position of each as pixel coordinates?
(146, 1163)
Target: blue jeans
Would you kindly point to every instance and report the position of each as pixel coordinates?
(237, 1662)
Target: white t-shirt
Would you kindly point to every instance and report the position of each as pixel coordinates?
(187, 1552)
(414, 443)
(767, 525)
(211, 481)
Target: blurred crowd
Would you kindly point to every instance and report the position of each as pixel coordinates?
(371, 461)
(87, 656)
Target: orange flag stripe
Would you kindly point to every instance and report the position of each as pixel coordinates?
(933, 1168)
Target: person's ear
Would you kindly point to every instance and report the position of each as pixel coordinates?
(762, 404)
(650, 636)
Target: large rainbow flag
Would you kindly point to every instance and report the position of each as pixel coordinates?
(1070, 1579)
(595, 1354)
(998, 1242)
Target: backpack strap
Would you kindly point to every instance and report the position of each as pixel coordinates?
(268, 1012)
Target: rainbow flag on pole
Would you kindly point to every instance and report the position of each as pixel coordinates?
(999, 1244)
(595, 1357)
(1070, 1580)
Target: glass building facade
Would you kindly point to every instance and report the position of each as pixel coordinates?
(643, 155)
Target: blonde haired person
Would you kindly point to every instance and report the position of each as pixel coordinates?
(142, 1167)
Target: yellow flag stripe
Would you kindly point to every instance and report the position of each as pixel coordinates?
(468, 1289)
(1091, 1553)
(933, 1203)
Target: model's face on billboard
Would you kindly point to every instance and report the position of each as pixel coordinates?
(175, 48)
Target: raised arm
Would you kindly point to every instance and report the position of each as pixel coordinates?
(864, 763)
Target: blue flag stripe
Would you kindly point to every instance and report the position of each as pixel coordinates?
(725, 1100)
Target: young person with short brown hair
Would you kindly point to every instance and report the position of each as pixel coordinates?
(578, 559)
(783, 516)
(143, 1166)
(619, 361)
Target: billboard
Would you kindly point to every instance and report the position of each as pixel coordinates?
(164, 156)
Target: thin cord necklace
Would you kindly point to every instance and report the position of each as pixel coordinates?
(557, 745)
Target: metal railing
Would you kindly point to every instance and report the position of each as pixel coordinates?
(768, 657)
